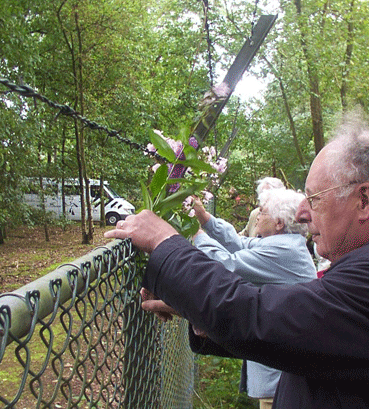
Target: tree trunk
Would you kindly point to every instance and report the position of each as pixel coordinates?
(347, 59)
(289, 115)
(315, 100)
(89, 236)
(77, 76)
(102, 202)
(63, 173)
(79, 142)
(43, 207)
(1, 235)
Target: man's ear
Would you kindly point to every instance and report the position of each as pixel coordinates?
(279, 226)
(364, 202)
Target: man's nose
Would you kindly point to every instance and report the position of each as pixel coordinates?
(303, 214)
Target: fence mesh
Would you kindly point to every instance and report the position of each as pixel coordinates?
(78, 338)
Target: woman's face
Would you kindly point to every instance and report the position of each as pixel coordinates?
(265, 224)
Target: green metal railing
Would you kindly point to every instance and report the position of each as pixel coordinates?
(78, 338)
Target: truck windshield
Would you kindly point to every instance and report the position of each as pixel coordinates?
(111, 192)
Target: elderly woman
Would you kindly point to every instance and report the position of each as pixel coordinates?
(277, 256)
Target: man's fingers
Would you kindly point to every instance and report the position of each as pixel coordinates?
(116, 234)
(157, 306)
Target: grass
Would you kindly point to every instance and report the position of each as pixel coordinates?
(218, 385)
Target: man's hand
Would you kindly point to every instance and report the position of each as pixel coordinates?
(158, 307)
(145, 229)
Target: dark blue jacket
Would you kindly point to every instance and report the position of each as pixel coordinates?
(316, 332)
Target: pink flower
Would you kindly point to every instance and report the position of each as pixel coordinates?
(220, 165)
(155, 167)
(187, 205)
(207, 196)
(177, 147)
(222, 90)
(160, 133)
(210, 152)
(151, 148)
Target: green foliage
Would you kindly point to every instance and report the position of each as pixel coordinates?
(158, 196)
(218, 385)
(145, 65)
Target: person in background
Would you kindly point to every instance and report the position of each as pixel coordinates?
(261, 185)
(277, 256)
(316, 332)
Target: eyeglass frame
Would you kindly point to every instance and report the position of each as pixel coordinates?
(311, 197)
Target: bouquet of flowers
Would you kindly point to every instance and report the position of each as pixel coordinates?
(186, 173)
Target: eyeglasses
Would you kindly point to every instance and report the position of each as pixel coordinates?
(311, 198)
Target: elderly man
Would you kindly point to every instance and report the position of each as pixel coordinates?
(278, 256)
(317, 333)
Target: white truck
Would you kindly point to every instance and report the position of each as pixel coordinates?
(115, 207)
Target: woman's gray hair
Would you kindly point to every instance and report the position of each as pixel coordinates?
(282, 204)
(348, 158)
(268, 183)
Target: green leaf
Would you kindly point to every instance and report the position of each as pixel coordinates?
(184, 224)
(162, 147)
(201, 184)
(184, 134)
(174, 201)
(158, 180)
(197, 165)
(160, 197)
(190, 152)
(146, 196)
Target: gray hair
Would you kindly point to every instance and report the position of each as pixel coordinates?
(282, 204)
(348, 156)
(268, 183)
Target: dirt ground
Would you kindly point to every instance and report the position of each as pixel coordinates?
(26, 255)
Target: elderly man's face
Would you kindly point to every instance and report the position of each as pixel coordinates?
(334, 224)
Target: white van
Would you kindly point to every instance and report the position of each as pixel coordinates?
(116, 208)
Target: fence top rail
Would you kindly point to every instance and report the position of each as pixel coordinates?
(58, 286)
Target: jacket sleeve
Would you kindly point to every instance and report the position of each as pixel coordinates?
(225, 234)
(205, 346)
(311, 328)
(257, 265)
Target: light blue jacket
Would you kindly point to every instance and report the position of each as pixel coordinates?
(277, 259)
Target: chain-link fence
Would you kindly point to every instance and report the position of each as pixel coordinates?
(78, 338)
